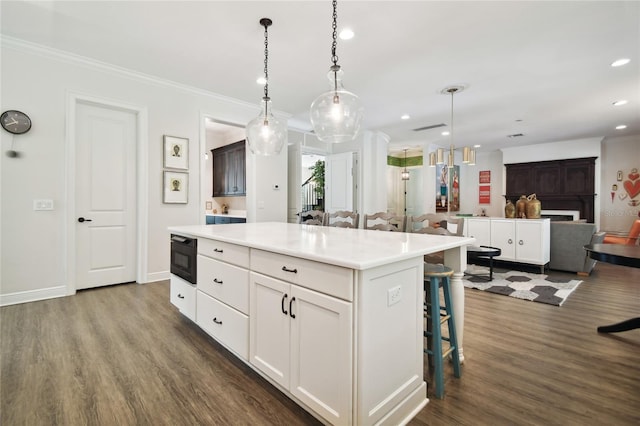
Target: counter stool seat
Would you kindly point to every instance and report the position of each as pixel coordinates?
(436, 276)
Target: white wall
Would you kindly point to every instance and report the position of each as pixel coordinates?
(618, 154)
(33, 243)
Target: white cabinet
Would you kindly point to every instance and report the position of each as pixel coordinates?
(522, 240)
(480, 229)
(222, 298)
(183, 296)
(302, 340)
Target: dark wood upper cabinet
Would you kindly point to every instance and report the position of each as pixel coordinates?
(558, 184)
(229, 170)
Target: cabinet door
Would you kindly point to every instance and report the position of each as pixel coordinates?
(530, 239)
(269, 327)
(321, 353)
(480, 229)
(503, 237)
(219, 172)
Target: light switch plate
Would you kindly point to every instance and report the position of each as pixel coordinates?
(42, 204)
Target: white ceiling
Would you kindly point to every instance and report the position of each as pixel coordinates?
(544, 63)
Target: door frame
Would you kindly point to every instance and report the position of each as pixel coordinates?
(73, 99)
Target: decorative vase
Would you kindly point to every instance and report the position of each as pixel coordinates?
(533, 207)
(509, 210)
(521, 207)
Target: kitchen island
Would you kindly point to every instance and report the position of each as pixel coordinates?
(333, 317)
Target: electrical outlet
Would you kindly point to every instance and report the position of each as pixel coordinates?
(394, 295)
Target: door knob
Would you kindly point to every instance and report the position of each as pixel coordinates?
(82, 219)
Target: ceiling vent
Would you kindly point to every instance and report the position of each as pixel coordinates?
(433, 126)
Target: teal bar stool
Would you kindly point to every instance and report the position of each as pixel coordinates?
(436, 276)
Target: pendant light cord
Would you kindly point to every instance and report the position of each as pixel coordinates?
(266, 61)
(334, 57)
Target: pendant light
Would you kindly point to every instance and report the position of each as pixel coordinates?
(405, 172)
(440, 156)
(265, 133)
(336, 115)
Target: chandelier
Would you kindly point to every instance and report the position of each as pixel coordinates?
(265, 133)
(438, 156)
(336, 115)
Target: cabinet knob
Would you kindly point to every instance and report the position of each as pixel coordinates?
(510, 241)
(521, 242)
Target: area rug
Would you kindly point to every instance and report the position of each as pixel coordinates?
(523, 285)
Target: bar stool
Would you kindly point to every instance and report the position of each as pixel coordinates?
(436, 276)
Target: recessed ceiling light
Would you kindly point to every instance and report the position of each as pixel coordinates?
(445, 133)
(620, 62)
(405, 117)
(346, 34)
(620, 127)
(261, 80)
(620, 102)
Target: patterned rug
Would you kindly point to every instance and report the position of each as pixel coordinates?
(522, 285)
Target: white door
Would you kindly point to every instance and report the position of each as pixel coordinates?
(321, 353)
(105, 196)
(339, 182)
(269, 327)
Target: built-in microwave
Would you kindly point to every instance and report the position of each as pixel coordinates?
(184, 252)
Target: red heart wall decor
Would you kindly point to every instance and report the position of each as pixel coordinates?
(632, 188)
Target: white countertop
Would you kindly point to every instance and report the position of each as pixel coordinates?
(350, 248)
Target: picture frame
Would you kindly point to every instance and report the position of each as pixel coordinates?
(175, 187)
(176, 152)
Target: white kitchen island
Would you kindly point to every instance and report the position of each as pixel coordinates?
(333, 317)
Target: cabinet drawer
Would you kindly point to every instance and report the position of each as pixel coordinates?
(183, 296)
(230, 253)
(226, 325)
(329, 279)
(225, 282)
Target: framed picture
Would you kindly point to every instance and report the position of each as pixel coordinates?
(176, 153)
(176, 187)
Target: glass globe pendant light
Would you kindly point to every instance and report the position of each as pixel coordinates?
(265, 133)
(336, 115)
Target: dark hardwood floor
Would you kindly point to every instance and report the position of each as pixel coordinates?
(123, 355)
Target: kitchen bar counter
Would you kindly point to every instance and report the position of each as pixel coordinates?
(334, 316)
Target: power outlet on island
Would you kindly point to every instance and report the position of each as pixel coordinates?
(394, 295)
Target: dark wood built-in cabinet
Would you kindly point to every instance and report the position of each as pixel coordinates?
(229, 170)
(558, 184)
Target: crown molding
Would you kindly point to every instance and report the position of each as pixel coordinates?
(64, 56)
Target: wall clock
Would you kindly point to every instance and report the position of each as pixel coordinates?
(15, 122)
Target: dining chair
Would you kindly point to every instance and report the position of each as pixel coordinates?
(428, 223)
(342, 219)
(312, 217)
(382, 221)
(630, 239)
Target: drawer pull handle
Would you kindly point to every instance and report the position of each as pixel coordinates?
(291, 314)
(218, 250)
(217, 281)
(510, 241)
(521, 242)
(180, 296)
(217, 321)
(284, 268)
(282, 304)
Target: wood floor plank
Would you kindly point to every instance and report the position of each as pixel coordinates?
(123, 355)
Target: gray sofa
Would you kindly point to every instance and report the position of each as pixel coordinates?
(567, 246)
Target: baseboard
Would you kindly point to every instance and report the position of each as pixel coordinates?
(32, 295)
(157, 276)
